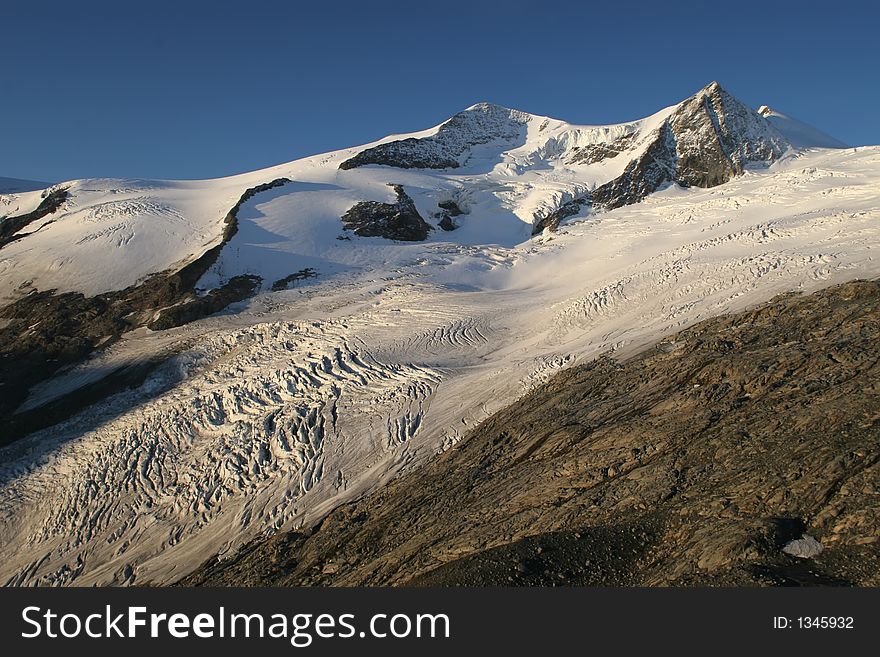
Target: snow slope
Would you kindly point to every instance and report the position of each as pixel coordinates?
(512, 168)
(19, 202)
(800, 134)
(280, 408)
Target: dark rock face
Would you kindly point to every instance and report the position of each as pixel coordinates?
(564, 211)
(480, 124)
(393, 221)
(231, 219)
(716, 136)
(707, 141)
(447, 223)
(656, 166)
(235, 289)
(449, 209)
(694, 463)
(405, 154)
(9, 226)
(301, 275)
(46, 331)
(597, 152)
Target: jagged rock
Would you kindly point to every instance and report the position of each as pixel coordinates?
(716, 136)
(805, 547)
(656, 166)
(593, 153)
(566, 210)
(9, 226)
(449, 210)
(450, 146)
(393, 221)
(235, 289)
(447, 223)
(301, 275)
(708, 140)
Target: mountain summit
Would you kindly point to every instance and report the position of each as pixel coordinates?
(449, 147)
(703, 141)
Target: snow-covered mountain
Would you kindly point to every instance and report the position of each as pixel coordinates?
(508, 175)
(188, 364)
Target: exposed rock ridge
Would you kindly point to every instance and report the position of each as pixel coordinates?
(592, 153)
(393, 221)
(450, 146)
(9, 226)
(706, 141)
(449, 210)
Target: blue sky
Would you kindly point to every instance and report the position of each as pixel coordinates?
(197, 90)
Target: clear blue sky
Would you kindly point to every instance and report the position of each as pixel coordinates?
(195, 90)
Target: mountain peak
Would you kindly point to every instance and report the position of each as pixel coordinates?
(500, 112)
(484, 105)
(707, 139)
(718, 94)
(716, 135)
(451, 145)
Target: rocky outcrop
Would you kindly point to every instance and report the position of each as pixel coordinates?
(698, 462)
(231, 219)
(44, 332)
(557, 216)
(706, 141)
(449, 210)
(9, 226)
(450, 146)
(592, 153)
(657, 166)
(303, 274)
(235, 289)
(716, 136)
(393, 221)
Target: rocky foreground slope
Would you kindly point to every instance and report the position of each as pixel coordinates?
(695, 462)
